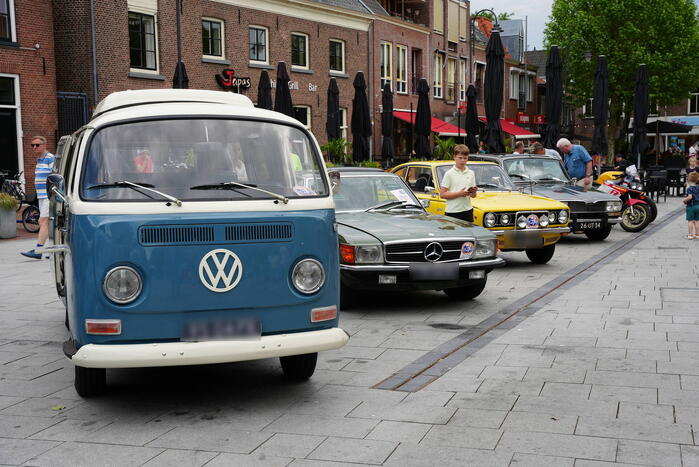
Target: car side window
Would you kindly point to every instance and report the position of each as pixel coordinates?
(419, 177)
(401, 172)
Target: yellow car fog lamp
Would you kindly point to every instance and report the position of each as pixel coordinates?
(544, 220)
(485, 249)
(521, 222)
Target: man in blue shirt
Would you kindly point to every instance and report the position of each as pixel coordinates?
(44, 167)
(578, 162)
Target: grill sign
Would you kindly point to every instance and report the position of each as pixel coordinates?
(229, 82)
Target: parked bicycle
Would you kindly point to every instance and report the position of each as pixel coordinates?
(13, 187)
(30, 214)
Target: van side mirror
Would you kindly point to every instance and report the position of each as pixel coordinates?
(55, 188)
(334, 177)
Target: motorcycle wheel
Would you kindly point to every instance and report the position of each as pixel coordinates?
(653, 209)
(636, 221)
(30, 219)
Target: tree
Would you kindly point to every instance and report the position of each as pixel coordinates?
(663, 34)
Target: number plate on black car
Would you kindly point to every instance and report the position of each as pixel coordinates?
(222, 330)
(434, 271)
(589, 225)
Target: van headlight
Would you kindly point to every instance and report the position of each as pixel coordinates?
(122, 285)
(484, 249)
(563, 217)
(308, 276)
(368, 254)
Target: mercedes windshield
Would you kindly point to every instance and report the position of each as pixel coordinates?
(533, 169)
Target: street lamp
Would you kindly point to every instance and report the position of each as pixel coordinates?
(496, 28)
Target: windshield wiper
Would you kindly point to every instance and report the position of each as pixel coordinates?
(548, 179)
(405, 205)
(234, 185)
(385, 205)
(523, 177)
(137, 187)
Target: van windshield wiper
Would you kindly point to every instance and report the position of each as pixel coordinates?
(234, 185)
(137, 187)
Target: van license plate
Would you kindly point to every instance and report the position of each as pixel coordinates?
(222, 330)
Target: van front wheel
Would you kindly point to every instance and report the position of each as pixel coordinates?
(299, 367)
(90, 381)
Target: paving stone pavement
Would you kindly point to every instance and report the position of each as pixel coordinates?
(601, 371)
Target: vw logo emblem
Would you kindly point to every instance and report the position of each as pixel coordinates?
(433, 252)
(220, 270)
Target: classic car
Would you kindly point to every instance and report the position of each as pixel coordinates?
(388, 242)
(522, 222)
(592, 212)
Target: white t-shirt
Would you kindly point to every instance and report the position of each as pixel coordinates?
(457, 180)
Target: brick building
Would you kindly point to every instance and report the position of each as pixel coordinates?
(27, 83)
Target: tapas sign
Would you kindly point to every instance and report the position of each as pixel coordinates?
(229, 82)
(523, 119)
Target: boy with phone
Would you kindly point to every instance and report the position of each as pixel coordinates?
(459, 186)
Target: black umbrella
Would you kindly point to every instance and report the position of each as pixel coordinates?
(494, 86)
(387, 122)
(423, 120)
(282, 95)
(554, 97)
(661, 126)
(332, 125)
(600, 107)
(180, 71)
(264, 92)
(640, 114)
(361, 120)
(471, 123)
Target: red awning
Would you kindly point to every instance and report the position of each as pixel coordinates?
(511, 129)
(440, 127)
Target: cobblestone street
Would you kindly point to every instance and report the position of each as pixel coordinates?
(596, 364)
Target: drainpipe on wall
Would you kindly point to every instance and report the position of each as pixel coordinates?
(95, 89)
(370, 86)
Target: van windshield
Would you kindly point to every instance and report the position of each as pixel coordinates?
(202, 160)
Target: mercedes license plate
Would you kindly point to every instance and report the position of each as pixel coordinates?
(434, 271)
(222, 330)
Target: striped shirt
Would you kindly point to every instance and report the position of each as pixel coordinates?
(44, 167)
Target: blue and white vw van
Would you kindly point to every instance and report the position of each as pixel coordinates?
(191, 228)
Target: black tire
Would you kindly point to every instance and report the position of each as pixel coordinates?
(90, 381)
(541, 255)
(299, 367)
(30, 219)
(653, 209)
(467, 292)
(638, 220)
(597, 235)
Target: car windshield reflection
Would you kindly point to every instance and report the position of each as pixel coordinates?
(489, 177)
(535, 170)
(374, 193)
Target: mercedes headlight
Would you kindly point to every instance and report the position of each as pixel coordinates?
(122, 285)
(563, 217)
(308, 276)
(544, 220)
(484, 249)
(521, 222)
(368, 254)
(489, 220)
(613, 206)
(505, 219)
(552, 217)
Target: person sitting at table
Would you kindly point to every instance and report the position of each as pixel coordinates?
(621, 163)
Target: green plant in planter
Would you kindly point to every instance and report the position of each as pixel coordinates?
(370, 164)
(8, 202)
(338, 151)
(444, 148)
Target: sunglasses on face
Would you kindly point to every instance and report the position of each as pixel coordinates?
(36, 145)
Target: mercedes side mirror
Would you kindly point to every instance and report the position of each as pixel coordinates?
(55, 186)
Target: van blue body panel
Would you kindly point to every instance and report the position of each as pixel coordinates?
(166, 249)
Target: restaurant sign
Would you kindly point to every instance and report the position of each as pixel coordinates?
(229, 82)
(539, 119)
(523, 119)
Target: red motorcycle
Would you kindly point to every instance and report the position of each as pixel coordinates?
(638, 210)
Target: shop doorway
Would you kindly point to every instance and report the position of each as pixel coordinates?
(8, 141)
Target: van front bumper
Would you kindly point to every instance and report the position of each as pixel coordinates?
(200, 353)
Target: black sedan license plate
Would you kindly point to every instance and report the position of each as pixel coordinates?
(222, 330)
(434, 271)
(590, 225)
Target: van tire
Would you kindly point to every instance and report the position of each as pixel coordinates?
(299, 367)
(90, 381)
(541, 255)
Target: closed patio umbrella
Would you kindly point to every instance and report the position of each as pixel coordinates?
(387, 150)
(332, 125)
(180, 80)
(282, 95)
(361, 120)
(423, 120)
(639, 143)
(494, 86)
(264, 92)
(600, 107)
(554, 97)
(471, 123)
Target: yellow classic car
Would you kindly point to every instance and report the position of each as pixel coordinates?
(522, 222)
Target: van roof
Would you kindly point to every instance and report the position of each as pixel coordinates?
(122, 99)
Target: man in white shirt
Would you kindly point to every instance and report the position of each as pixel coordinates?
(459, 186)
(694, 149)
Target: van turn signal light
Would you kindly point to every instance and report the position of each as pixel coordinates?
(109, 327)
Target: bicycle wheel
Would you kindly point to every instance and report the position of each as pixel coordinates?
(30, 219)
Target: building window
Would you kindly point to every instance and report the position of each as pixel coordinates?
(258, 44)
(415, 68)
(437, 83)
(530, 88)
(386, 65)
(7, 20)
(337, 55)
(401, 69)
(302, 113)
(694, 103)
(438, 21)
(299, 50)
(343, 123)
(7, 91)
(451, 79)
(142, 41)
(478, 80)
(587, 108)
(212, 37)
(462, 80)
(514, 85)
